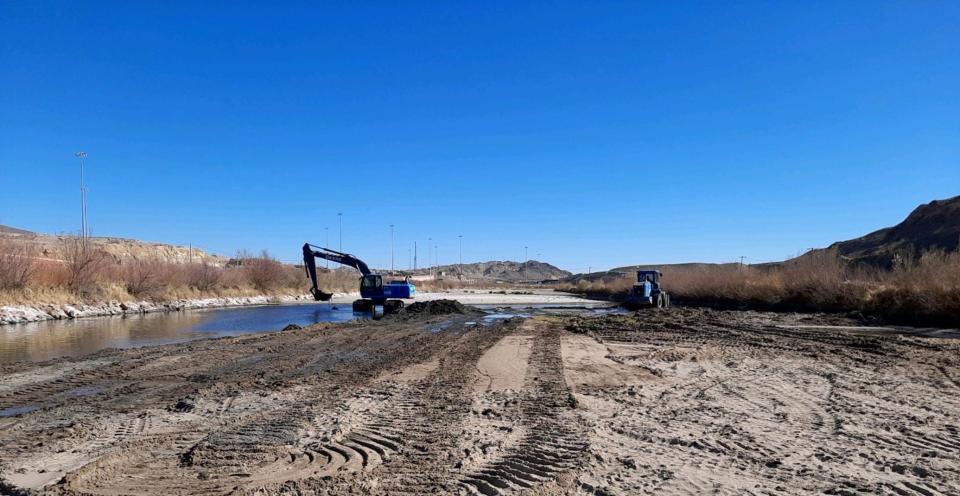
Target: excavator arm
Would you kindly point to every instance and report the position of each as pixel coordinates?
(312, 252)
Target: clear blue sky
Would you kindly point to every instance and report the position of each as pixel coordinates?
(598, 134)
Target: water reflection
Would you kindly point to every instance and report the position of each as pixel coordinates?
(46, 340)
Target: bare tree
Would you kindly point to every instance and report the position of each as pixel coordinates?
(203, 276)
(17, 264)
(84, 262)
(264, 272)
(143, 277)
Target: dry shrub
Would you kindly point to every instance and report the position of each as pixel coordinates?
(921, 290)
(51, 274)
(264, 272)
(17, 264)
(143, 278)
(85, 264)
(202, 276)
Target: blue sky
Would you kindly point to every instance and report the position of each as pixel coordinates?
(597, 133)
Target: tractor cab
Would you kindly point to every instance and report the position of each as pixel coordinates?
(651, 276)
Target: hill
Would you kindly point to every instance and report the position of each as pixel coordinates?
(505, 271)
(932, 226)
(50, 246)
(14, 231)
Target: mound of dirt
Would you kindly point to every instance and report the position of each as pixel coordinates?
(438, 307)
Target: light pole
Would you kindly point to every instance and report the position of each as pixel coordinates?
(436, 256)
(429, 255)
(84, 231)
(460, 268)
(525, 257)
(340, 217)
(391, 247)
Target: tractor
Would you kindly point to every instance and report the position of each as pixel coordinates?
(647, 291)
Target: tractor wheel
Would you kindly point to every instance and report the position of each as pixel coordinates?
(658, 301)
(666, 300)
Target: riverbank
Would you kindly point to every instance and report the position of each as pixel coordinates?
(23, 314)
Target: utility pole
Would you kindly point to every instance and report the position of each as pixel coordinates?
(460, 268)
(436, 256)
(84, 230)
(525, 257)
(741, 261)
(429, 254)
(414, 255)
(340, 217)
(391, 247)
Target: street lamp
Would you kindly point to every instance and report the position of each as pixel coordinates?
(340, 218)
(84, 230)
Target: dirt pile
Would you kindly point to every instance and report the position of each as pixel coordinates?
(438, 307)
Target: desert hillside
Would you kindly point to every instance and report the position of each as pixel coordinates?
(932, 226)
(50, 246)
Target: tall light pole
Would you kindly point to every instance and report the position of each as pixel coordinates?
(525, 257)
(429, 256)
(460, 268)
(84, 230)
(326, 241)
(391, 247)
(340, 217)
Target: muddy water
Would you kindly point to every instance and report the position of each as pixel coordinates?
(46, 340)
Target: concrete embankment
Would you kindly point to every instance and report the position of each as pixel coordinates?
(22, 314)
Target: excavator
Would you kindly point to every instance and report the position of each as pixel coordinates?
(373, 291)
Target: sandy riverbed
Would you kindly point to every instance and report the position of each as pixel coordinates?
(676, 402)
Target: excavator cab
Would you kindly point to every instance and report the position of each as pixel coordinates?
(371, 286)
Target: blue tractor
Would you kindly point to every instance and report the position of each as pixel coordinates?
(373, 291)
(647, 292)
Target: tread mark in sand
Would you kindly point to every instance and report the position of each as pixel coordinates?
(552, 444)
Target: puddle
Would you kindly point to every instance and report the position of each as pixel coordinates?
(18, 410)
(86, 390)
(441, 327)
(492, 318)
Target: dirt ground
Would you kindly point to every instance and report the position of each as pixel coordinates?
(677, 402)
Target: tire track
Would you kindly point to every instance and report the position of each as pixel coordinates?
(553, 443)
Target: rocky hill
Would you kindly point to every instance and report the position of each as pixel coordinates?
(51, 246)
(933, 226)
(505, 271)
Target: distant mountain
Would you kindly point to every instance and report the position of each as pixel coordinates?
(505, 271)
(13, 230)
(619, 273)
(935, 225)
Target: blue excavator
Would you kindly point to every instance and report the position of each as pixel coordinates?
(373, 291)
